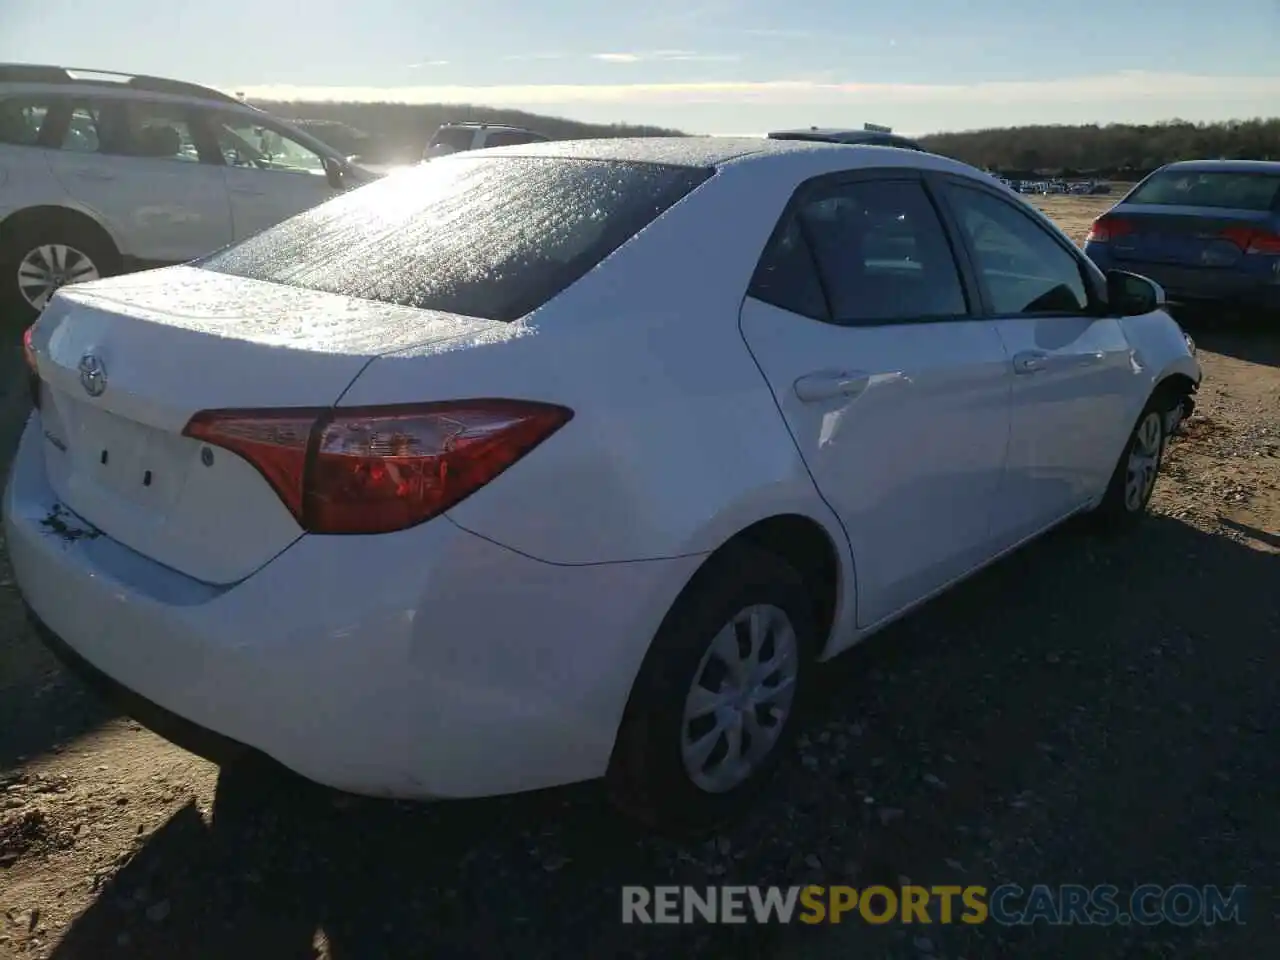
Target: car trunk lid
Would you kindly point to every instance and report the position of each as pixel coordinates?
(125, 363)
(1204, 237)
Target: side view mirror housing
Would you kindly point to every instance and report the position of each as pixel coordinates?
(335, 173)
(1131, 295)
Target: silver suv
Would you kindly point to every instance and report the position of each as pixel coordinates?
(105, 172)
(456, 137)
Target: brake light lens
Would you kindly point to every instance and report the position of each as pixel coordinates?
(1262, 242)
(1105, 229)
(33, 369)
(379, 469)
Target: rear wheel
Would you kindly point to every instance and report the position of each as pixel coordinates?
(715, 705)
(38, 258)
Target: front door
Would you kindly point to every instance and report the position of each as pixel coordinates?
(270, 175)
(897, 397)
(1072, 367)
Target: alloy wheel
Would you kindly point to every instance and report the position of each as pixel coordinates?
(51, 266)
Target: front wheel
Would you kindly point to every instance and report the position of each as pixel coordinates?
(1133, 482)
(714, 707)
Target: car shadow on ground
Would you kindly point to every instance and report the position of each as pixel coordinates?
(1089, 710)
(41, 707)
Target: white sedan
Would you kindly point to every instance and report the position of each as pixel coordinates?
(577, 460)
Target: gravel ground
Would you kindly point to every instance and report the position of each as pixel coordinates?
(1090, 710)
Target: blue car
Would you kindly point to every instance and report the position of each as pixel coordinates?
(1208, 231)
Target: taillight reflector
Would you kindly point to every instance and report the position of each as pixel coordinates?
(379, 469)
(1253, 241)
(1105, 229)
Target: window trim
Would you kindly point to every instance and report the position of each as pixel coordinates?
(827, 182)
(1090, 276)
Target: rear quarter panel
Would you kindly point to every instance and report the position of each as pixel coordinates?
(676, 442)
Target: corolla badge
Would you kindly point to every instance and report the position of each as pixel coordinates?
(93, 375)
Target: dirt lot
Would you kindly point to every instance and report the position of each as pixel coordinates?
(1093, 711)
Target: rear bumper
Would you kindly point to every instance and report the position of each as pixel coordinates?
(178, 730)
(427, 663)
(1194, 285)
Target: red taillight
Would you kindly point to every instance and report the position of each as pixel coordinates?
(33, 369)
(1253, 241)
(1105, 229)
(378, 469)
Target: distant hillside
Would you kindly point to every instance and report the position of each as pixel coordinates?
(398, 132)
(1118, 150)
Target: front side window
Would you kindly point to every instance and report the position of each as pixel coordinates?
(1023, 266)
(880, 251)
(21, 120)
(248, 144)
(482, 237)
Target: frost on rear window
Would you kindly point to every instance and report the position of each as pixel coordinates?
(1228, 190)
(482, 237)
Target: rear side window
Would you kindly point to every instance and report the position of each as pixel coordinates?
(1228, 190)
(881, 254)
(481, 237)
(21, 119)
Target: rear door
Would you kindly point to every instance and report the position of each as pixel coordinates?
(896, 395)
(143, 169)
(1072, 366)
(271, 175)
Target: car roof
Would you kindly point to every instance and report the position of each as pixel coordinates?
(44, 76)
(713, 152)
(1224, 166)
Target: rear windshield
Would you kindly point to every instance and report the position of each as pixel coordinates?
(483, 237)
(1229, 190)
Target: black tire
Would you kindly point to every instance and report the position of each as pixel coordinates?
(1119, 509)
(647, 779)
(16, 242)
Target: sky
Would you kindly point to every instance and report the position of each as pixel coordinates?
(705, 66)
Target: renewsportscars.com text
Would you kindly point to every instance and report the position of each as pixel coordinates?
(1008, 905)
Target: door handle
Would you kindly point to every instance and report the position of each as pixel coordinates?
(244, 192)
(829, 384)
(95, 175)
(1030, 361)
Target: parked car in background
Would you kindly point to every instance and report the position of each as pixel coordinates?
(1208, 231)
(466, 135)
(779, 394)
(873, 137)
(105, 172)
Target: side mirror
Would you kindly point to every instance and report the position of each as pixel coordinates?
(335, 173)
(1131, 295)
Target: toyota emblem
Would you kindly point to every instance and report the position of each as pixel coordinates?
(93, 375)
